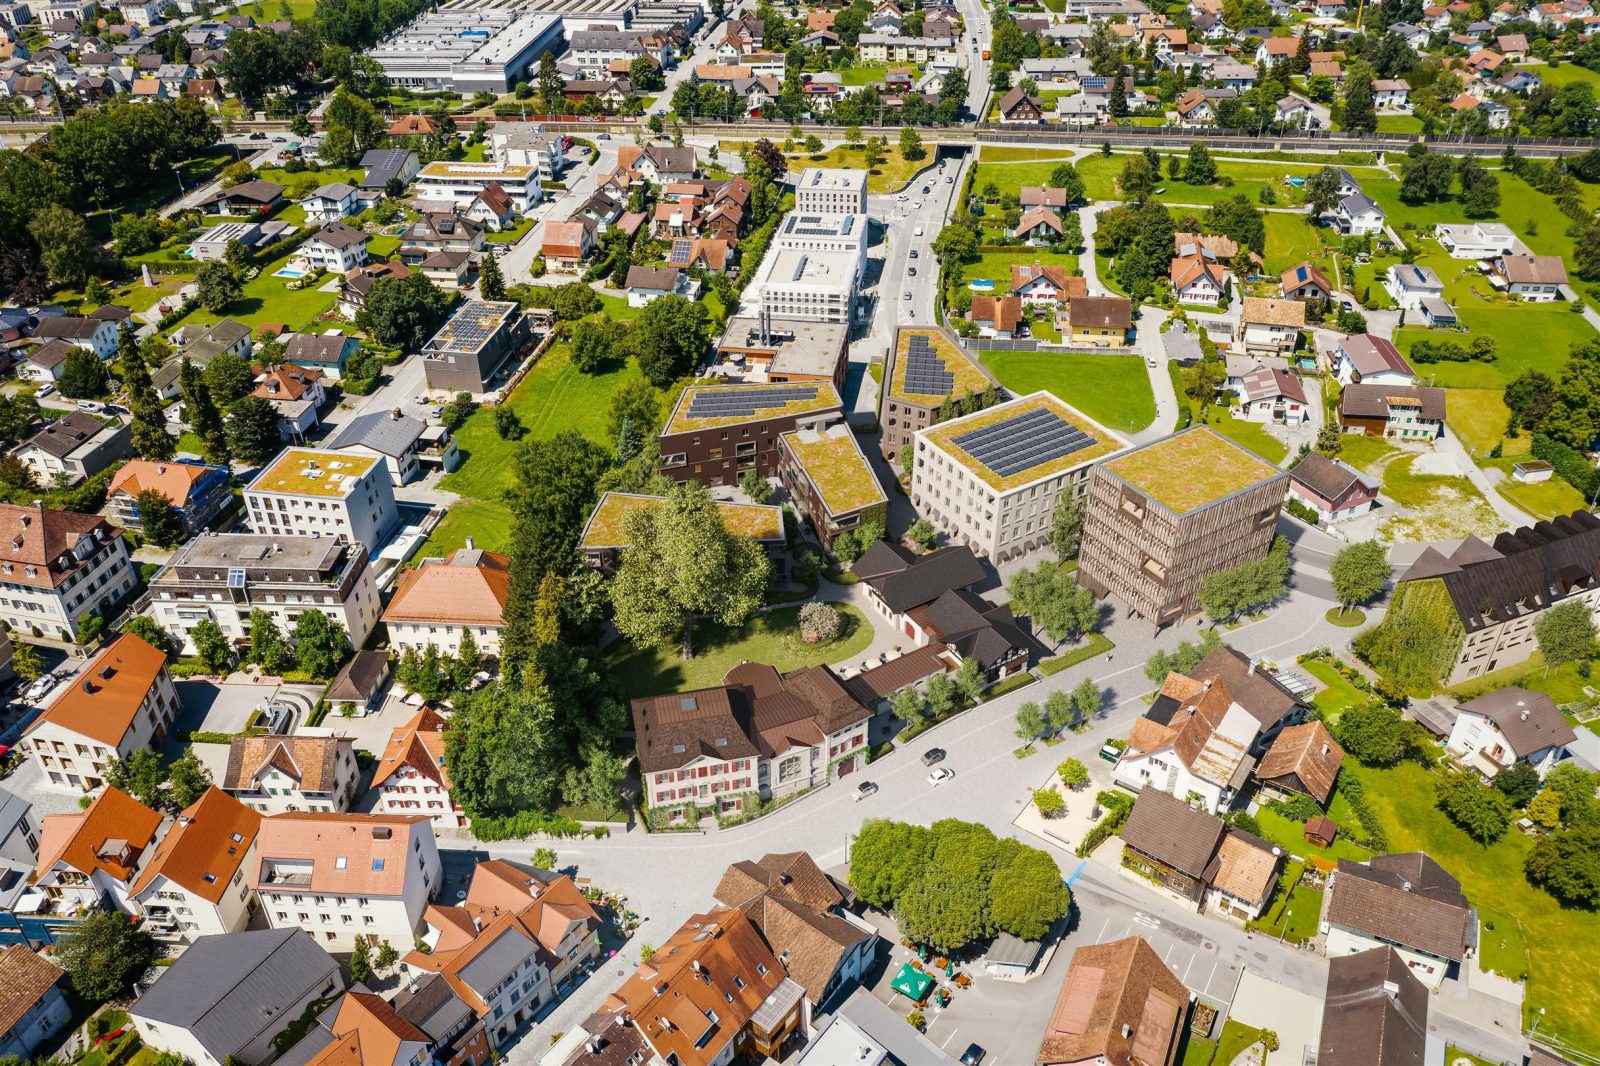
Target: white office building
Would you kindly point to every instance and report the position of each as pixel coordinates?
(468, 50)
(810, 286)
(831, 192)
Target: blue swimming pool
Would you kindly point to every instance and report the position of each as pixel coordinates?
(981, 285)
(289, 272)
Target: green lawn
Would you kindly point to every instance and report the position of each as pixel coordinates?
(1290, 836)
(1442, 507)
(1479, 418)
(1500, 946)
(1566, 72)
(996, 264)
(196, 172)
(325, 176)
(1564, 968)
(1247, 434)
(487, 522)
(1011, 177)
(1196, 1051)
(1291, 242)
(891, 176)
(1339, 695)
(269, 299)
(1530, 336)
(512, 235)
(1563, 684)
(1111, 389)
(1100, 174)
(771, 637)
(1364, 453)
(1294, 910)
(999, 153)
(1388, 123)
(864, 73)
(553, 397)
(1546, 499)
(1236, 1036)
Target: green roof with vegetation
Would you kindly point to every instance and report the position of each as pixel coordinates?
(968, 378)
(836, 466)
(944, 434)
(682, 422)
(1191, 469)
(754, 520)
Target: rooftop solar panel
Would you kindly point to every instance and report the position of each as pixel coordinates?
(1023, 441)
(746, 402)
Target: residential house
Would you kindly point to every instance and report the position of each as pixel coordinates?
(436, 603)
(408, 450)
(362, 1027)
(57, 567)
(1271, 395)
(457, 1033)
(197, 881)
(1334, 488)
(646, 284)
(336, 247)
(227, 998)
(1270, 325)
(383, 166)
(448, 270)
(411, 777)
(1295, 111)
(330, 203)
(33, 1007)
(224, 335)
(1508, 726)
(253, 197)
(196, 493)
(99, 335)
(1018, 108)
(660, 164)
(1099, 321)
(492, 207)
(1196, 859)
(440, 231)
(1118, 1003)
(121, 702)
(1303, 759)
(1534, 278)
(73, 447)
(1366, 357)
(1374, 1011)
(1197, 277)
(338, 876)
(301, 772)
(1045, 285)
(1039, 226)
(1195, 110)
(1514, 46)
(568, 245)
(996, 316)
(358, 283)
(90, 858)
(804, 918)
(1408, 412)
(1411, 286)
(1358, 215)
(1478, 240)
(1304, 282)
(1391, 94)
(760, 734)
(296, 393)
(44, 363)
(1407, 902)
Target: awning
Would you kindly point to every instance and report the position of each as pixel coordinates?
(913, 984)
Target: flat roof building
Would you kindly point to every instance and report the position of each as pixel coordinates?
(830, 480)
(781, 350)
(1162, 518)
(305, 491)
(717, 432)
(926, 367)
(992, 480)
(816, 286)
(604, 538)
(470, 349)
(842, 192)
(461, 183)
(467, 50)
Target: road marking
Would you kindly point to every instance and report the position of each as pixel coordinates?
(1186, 970)
(1213, 976)
(1167, 958)
(947, 1039)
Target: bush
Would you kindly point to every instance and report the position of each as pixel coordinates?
(819, 623)
(523, 824)
(1296, 808)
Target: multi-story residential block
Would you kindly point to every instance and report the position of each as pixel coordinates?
(472, 349)
(36, 1007)
(810, 286)
(198, 881)
(604, 538)
(823, 191)
(56, 567)
(992, 480)
(195, 491)
(462, 183)
(717, 432)
(73, 447)
(1508, 726)
(227, 998)
(121, 702)
(1270, 326)
(1407, 902)
(1161, 518)
(411, 778)
(330, 493)
(825, 234)
(93, 856)
(510, 947)
(830, 481)
(715, 965)
(304, 772)
(759, 734)
(226, 576)
(529, 148)
(1406, 412)
(338, 876)
(435, 602)
(926, 368)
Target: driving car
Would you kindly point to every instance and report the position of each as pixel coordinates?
(940, 776)
(912, 271)
(918, 205)
(913, 253)
(906, 295)
(863, 790)
(932, 755)
(91, 406)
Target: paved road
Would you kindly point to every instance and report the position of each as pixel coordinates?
(257, 153)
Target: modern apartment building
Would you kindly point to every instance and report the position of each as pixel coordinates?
(93, 855)
(197, 882)
(305, 492)
(1161, 518)
(604, 538)
(226, 576)
(120, 703)
(830, 481)
(926, 368)
(992, 480)
(831, 192)
(717, 432)
(341, 875)
(435, 602)
(461, 183)
(56, 567)
(826, 234)
(469, 350)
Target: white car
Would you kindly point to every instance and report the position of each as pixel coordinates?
(863, 790)
(45, 389)
(940, 776)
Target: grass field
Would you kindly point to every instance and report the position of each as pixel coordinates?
(1530, 336)
(891, 176)
(1111, 389)
(1566, 72)
(1500, 946)
(1291, 242)
(1290, 836)
(269, 299)
(1294, 910)
(487, 522)
(1545, 499)
(1338, 697)
(1442, 507)
(1248, 434)
(999, 153)
(863, 74)
(1565, 968)
(772, 637)
(1399, 124)
(1100, 174)
(1479, 418)
(1009, 178)
(996, 265)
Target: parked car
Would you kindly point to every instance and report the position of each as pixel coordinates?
(940, 776)
(972, 1056)
(41, 687)
(45, 389)
(91, 406)
(1110, 753)
(863, 790)
(932, 755)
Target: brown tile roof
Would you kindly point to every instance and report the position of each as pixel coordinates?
(1245, 867)
(25, 977)
(205, 846)
(376, 849)
(80, 840)
(104, 699)
(1070, 286)
(1406, 899)
(495, 198)
(468, 589)
(1100, 312)
(1370, 354)
(1119, 1004)
(1529, 721)
(368, 1031)
(1270, 382)
(1004, 311)
(802, 707)
(413, 126)
(673, 730)
(311, 762)
(1534, 269)
(1187, 269)
(419, 744)
(1363, 1022)
(1257, 691)
(1309, 753)
(1170, 831)
(1304, 274)
(1374, 401)
(172, 480)
(43, 538)
(1273, 312)
(1042, 196)
(285, 382)
(1037, 216)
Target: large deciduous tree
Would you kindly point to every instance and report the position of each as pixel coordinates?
(1359, 572)
(102, 953)
(1565, 633)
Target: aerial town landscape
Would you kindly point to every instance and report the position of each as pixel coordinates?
(838, 532)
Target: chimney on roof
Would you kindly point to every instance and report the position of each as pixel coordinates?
(469, 543)
(381, 832)
(29, 518)
(87, 685)
(1391, 989)
(395, 414)
(161, 468)
(1205, 686)
(1127, 1031)
(1324, 748)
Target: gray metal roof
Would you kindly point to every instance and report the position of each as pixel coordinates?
(498, 961)
(431, 1005)
(13, 809)
(382, 432)
(226, 989)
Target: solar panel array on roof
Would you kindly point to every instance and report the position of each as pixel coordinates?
(680, 252)
(746, 402)
(1023, 441)
(925, 370)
